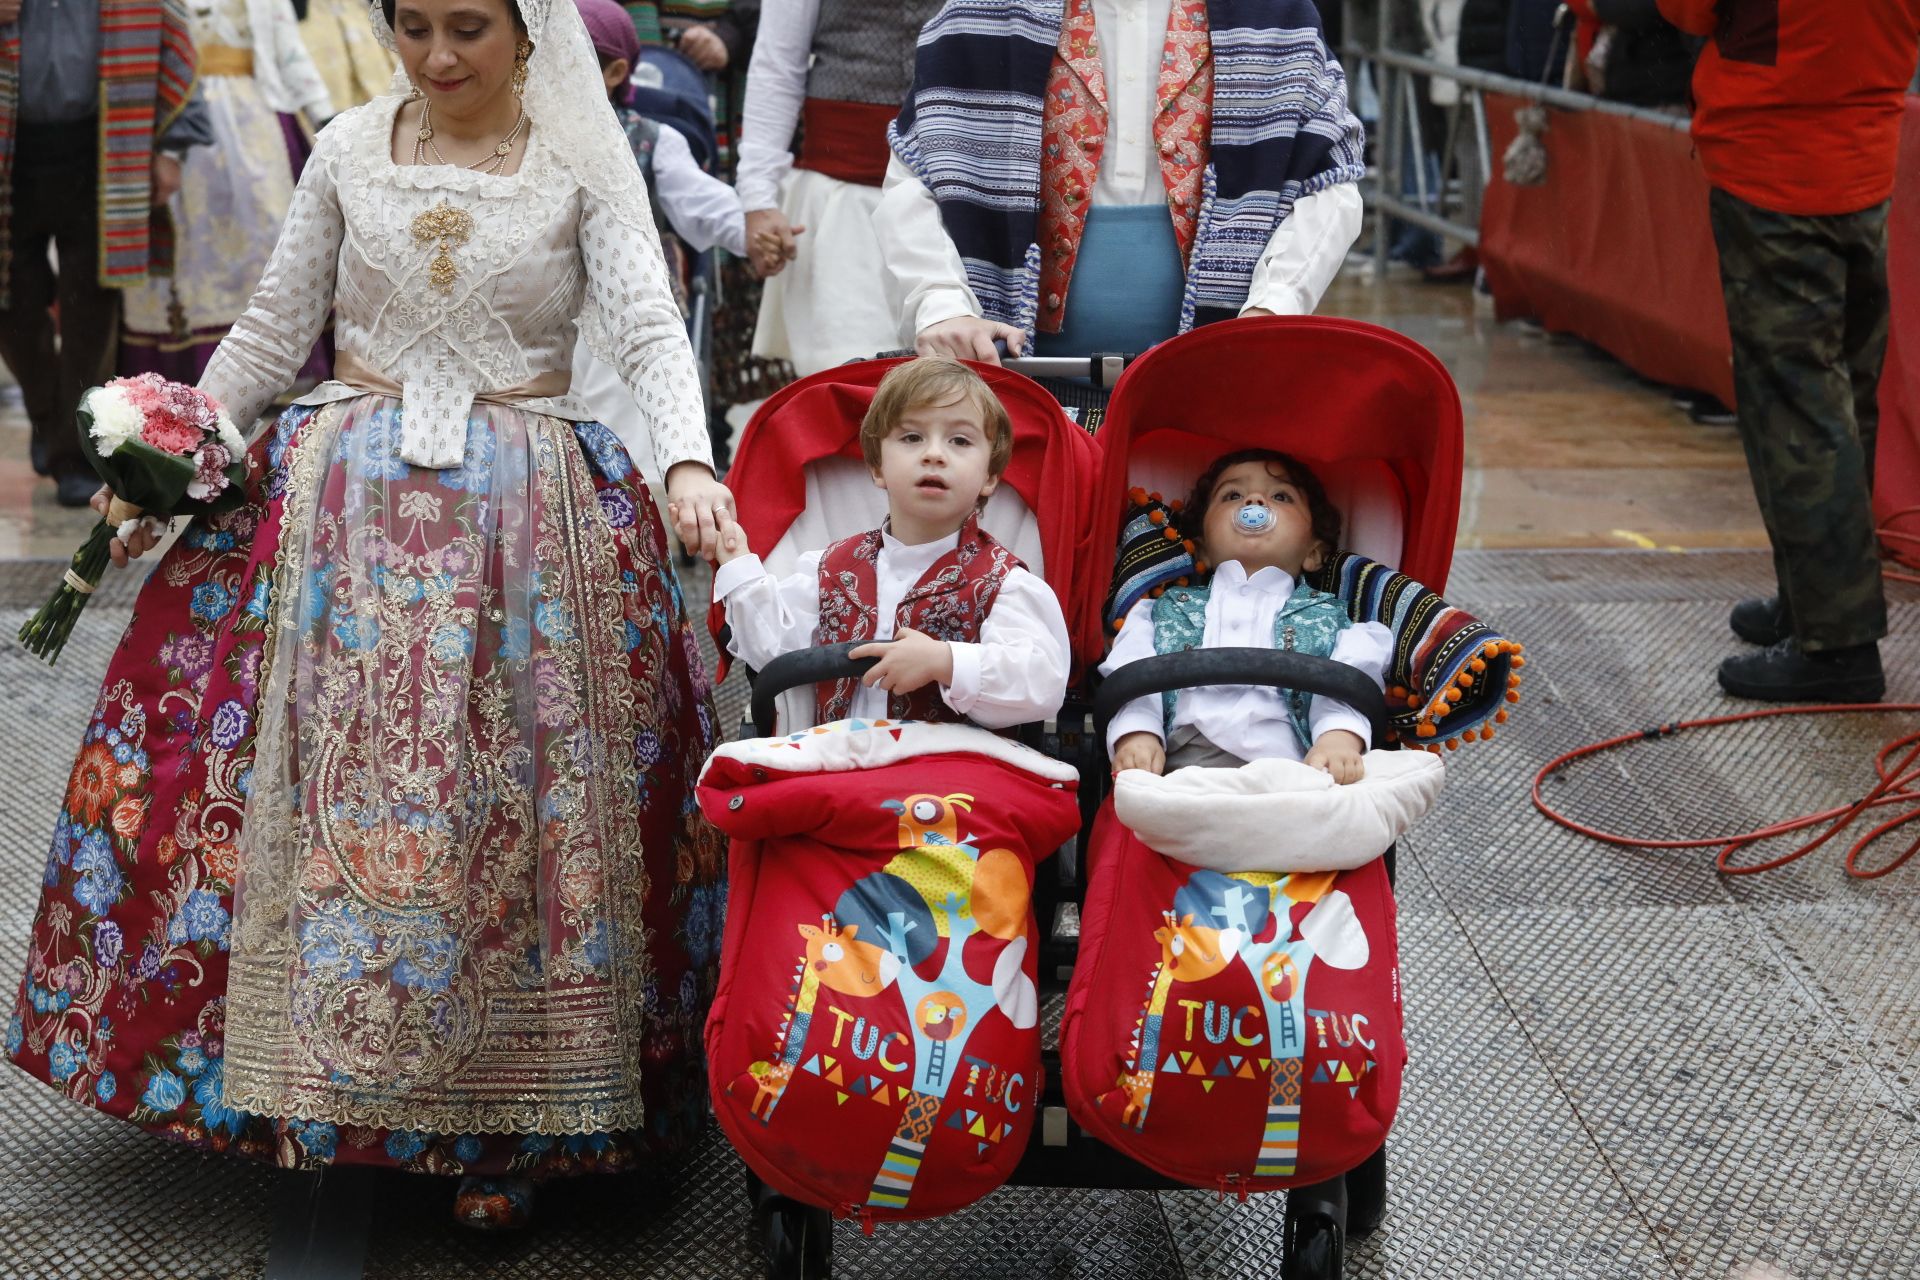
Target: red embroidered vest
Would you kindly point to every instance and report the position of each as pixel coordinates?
(950, 602)
(1074, 133)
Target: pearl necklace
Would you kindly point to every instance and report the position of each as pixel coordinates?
(497, 160)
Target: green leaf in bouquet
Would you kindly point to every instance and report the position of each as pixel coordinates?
(149, 478)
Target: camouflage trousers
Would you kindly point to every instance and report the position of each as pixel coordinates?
(1807, 305)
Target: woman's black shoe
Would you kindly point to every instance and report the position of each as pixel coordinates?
(1760, 621)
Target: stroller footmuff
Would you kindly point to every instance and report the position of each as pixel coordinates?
(874, 1046)
(1234, 1020)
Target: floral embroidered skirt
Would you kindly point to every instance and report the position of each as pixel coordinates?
(381, 845)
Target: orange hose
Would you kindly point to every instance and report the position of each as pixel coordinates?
(1899, 784)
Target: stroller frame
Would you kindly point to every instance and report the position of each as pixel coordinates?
(797, 1237)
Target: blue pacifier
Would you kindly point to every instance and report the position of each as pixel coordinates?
(1254, 517)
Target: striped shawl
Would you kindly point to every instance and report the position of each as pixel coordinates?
(971, 131)
(146, 76)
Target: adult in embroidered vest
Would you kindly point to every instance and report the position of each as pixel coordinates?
(837, 70)
(261, 90)
(96, 107)
(1089, 176)
(1309, 623)
(949, 602)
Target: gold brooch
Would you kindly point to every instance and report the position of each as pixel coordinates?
(450, 227)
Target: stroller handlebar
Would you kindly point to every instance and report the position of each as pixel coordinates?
(799, 668)
(1102, 368)
(1278, 667)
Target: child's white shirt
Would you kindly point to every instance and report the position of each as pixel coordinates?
(1249, 721)
(1015, 673)
(704, 210)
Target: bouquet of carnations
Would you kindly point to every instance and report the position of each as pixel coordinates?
(165, 450)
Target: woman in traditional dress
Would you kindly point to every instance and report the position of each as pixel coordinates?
(264, 96)
(381, 847)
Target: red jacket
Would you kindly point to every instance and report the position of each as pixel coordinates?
(1798, 102)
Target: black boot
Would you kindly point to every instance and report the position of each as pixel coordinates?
(75, 488)
(1762, 620)
(1783, 672)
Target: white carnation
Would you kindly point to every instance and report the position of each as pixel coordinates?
(115, 419)
(229, 435)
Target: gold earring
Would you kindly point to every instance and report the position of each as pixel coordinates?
(521, 53)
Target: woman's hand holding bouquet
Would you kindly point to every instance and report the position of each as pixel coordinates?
(164, 450)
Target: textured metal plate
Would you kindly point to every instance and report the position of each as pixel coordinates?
(1623, 1064)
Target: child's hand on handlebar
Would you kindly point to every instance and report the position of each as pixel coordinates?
(909, 661)
(1140, 750)
(1337, 752)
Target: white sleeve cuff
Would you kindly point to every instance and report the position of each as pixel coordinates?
(964, 688)
(942, 304)
(1142, 715)
(734, 574)
(1338, 715)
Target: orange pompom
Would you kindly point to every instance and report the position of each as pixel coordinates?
(1176, 505)
(1157, 592)
(1486, 734)
(1136, 495)
(1469, 735)
(1519, 662)
(1201, 566)
(1512, 696)
(1478, 664)
(1117, 623)
(1173, 535)
(1453, 744)
(1413, 700)
(1492, 649)
(1464, 680)
(1395, 691)
(1156, 517)
(1500, 717)
(1179, 582)
(1513, 682)
(1425, 731)
(1187, 543)
(1453, 695)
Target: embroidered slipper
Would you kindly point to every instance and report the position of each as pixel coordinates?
(494, 1204)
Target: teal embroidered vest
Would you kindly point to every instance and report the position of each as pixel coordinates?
(1309, 622)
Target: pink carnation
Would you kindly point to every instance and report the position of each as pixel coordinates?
(169, 435)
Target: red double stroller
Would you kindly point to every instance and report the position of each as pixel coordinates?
(1272, 1059)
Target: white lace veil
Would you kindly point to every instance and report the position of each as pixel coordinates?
(566, 100)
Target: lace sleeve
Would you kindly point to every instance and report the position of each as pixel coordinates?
(631, 322)
(266, 347)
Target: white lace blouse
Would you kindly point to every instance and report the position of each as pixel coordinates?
(450, 285)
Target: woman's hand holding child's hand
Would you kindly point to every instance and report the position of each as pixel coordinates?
(909, 661)
(1140, 750)
(695, 502)
(1338, 752)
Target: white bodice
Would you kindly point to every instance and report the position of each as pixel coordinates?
(449, 285)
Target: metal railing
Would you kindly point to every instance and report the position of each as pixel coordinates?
(1448, 202)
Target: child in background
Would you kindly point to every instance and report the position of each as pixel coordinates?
(698, 207)
(962, 630)
(1263, 520)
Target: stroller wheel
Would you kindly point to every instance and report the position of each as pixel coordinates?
(799, 1241)
(1367, 1195)
(1316, 1230)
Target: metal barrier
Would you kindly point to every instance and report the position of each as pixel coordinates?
(1450, 206)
